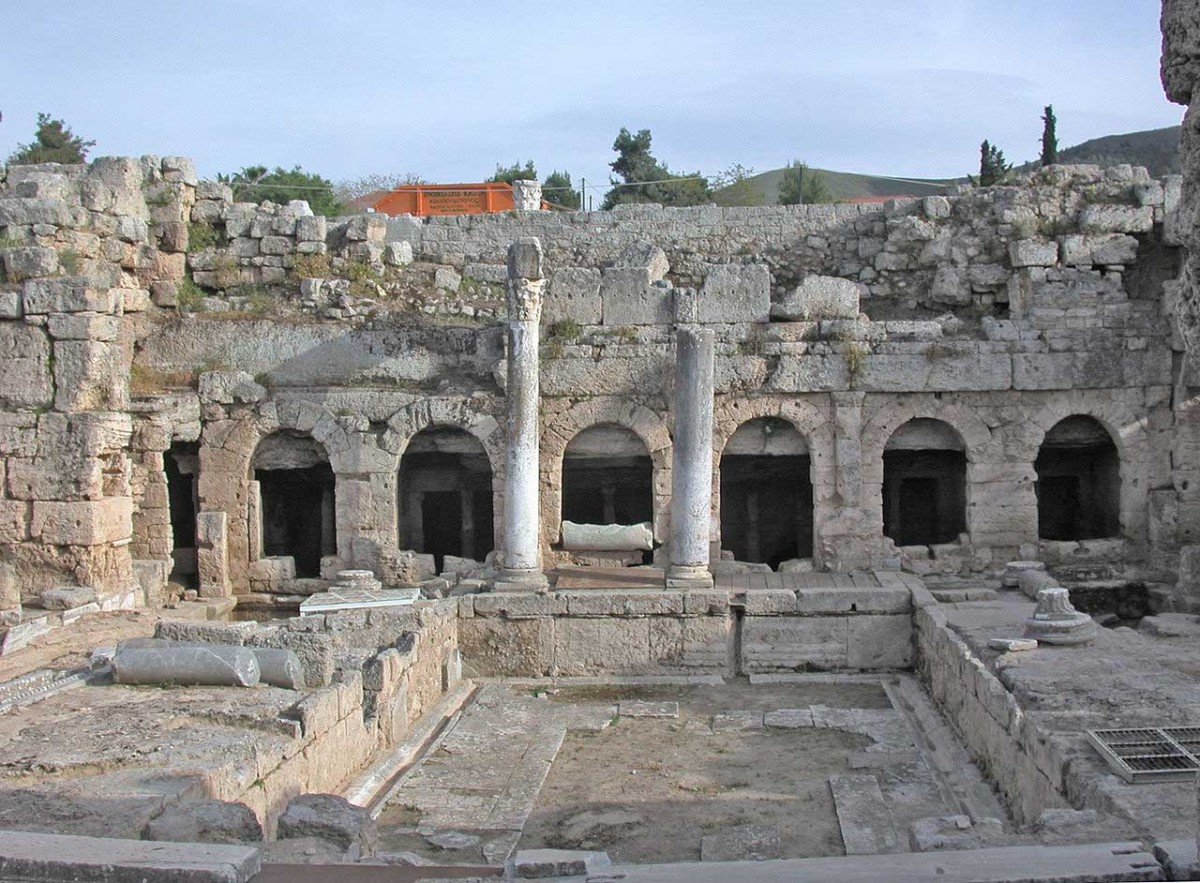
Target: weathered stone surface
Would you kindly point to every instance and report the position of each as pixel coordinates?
(329, 817)
(573, 294)
(205, 821)
(68, 597)
(735, 293)
(820, 297)
(628, 298)
(186, 664)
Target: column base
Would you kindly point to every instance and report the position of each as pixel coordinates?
(689, 576)
(521, 579)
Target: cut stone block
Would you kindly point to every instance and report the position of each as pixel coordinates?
(67, 597)
(1012, 645)
(574, 294)
(820, 297)
(628, 298)
(736, 293)
(863, 816)
(641, 708)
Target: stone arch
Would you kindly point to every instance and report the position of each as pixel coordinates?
(924, 490)
(1126, 428)
(978, 446)
(296, 500)
(424, 414)
(559, 429)
(812, 423)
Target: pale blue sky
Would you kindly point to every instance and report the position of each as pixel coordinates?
(447, 89)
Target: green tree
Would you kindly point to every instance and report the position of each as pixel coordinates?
(802, 185)
(1049, 137)
(52, 142)
(515, 172)
(733, 187)
(257, 184)
(992, 167)
(645, 179)
(558, 189)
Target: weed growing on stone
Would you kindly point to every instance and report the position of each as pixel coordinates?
(311, 266)
(202, 235)
(856, 360)
(189, 296)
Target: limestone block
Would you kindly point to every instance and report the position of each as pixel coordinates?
(212, 555)
(628, 298)
(496, 647)
(134, 300)
(180, 169)
(644, 256)
(275, 245)
(311, 228)
(951, 285)
(1099, 249)
(846, 601)
(736, 293)
(10, 305)
(1032, 253)
(600, 646)
(83, 326)
(87, 376)
(820, 297)
(86, 523)
(875, 642)
(38, 210)
(936, 207)
(67, 597)
(275, 570)
(1116, 219)
(596, 602)
(446, 278)
(606, 537)
(25, 380)
(227, 387)
(205, 821)
(26, 263)
(949, 370)
(767, 602)
(67, 294)
(329, 817)
(398, 254)
(369, 228)
(573, 293)
(793, 643)
(14, 521)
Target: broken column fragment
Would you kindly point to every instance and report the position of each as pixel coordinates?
(521, 551)
(1055, 621)
(186, 665)
(692, 460)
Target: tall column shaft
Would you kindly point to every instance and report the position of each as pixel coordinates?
(521, 552)
(691, 460)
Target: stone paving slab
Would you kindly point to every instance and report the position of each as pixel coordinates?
(485, 773)
(1093, 863)
(35, 857)
(644, 708)
(866, 823)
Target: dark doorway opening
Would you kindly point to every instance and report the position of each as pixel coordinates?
(181, 465)
(924, 484)
(296, 490)
(608, 478)
(445, 496)
(766, 493)
(1078, 482)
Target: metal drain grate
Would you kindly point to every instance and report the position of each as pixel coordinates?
(1150, 754)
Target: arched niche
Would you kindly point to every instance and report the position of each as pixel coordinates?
(296, 499)
(766, 493)
(924, 484)
(607, 477)
(1078, 481)
(444, 495)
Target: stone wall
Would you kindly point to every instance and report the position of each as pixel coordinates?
(1011, 749)
(698, 632)
(999, 311)
(383, 671)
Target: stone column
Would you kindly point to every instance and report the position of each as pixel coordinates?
(691, 460)
(521, 569)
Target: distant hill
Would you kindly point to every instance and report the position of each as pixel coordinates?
(1156, 149)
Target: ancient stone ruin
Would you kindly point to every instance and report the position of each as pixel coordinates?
(864, 539)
